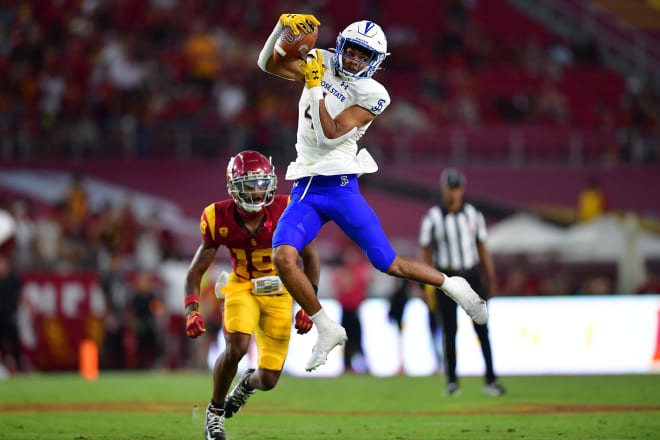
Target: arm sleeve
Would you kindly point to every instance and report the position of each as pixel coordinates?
(315, 96)
(267, 51)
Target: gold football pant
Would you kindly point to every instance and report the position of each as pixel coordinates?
(268, 317)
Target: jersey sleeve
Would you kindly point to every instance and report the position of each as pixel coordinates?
(374, 97)
(207, 224)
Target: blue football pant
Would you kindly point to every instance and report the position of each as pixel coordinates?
(337, 199)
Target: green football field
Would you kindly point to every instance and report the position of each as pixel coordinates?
(169, 406)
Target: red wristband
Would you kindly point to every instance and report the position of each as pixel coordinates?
(191, 299)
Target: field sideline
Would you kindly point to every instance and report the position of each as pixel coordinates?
(171, 406)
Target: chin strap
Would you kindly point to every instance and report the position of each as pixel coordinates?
(247, 214)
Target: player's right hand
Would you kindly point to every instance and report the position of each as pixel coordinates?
(313, 69)
(303, 322)
(195, 325)
(298, 22)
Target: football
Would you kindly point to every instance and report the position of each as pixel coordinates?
(291, 47)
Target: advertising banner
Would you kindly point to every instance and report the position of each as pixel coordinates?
(58, 312)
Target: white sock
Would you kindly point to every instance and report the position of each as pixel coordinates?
(320, 319)
(445, 281)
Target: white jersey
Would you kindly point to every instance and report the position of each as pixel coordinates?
(314, 160)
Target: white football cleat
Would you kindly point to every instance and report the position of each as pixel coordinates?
(458, 289)
(327, 340)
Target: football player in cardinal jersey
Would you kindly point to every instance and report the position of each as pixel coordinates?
(254, 299)
(339, 102)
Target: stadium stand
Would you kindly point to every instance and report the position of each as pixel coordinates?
(118, 79)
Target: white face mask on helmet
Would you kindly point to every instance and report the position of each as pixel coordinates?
(368, 37)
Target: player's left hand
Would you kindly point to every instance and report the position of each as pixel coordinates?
(313, 68)
(195, 325)
(297, 22)
(303, 322)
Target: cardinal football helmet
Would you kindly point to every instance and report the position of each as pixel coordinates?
(367, 36)
(251, 180)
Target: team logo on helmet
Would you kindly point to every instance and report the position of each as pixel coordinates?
(367, 38)
(369, 26)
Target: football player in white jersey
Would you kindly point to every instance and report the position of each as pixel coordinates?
(339, 102)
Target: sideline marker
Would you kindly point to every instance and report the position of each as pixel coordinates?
(89, 360)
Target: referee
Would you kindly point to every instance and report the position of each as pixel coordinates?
(453, 239)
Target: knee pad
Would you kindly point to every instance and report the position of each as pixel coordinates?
(380, 258)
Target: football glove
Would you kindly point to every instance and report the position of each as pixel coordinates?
(195, 324)
(297, 22)
(303, 322)
(313, 69)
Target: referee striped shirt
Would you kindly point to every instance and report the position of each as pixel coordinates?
(453, 237)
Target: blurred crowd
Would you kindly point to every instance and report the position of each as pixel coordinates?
(96, 78)
(123, 254)
(68, 236)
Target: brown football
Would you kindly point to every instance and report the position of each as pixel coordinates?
(291, 47)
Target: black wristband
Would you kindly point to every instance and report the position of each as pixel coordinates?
(316, 289)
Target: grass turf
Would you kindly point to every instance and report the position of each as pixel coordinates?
(123, 406)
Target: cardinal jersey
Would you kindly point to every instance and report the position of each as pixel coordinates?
(251, 254)
(339, 94)
(267, 316)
